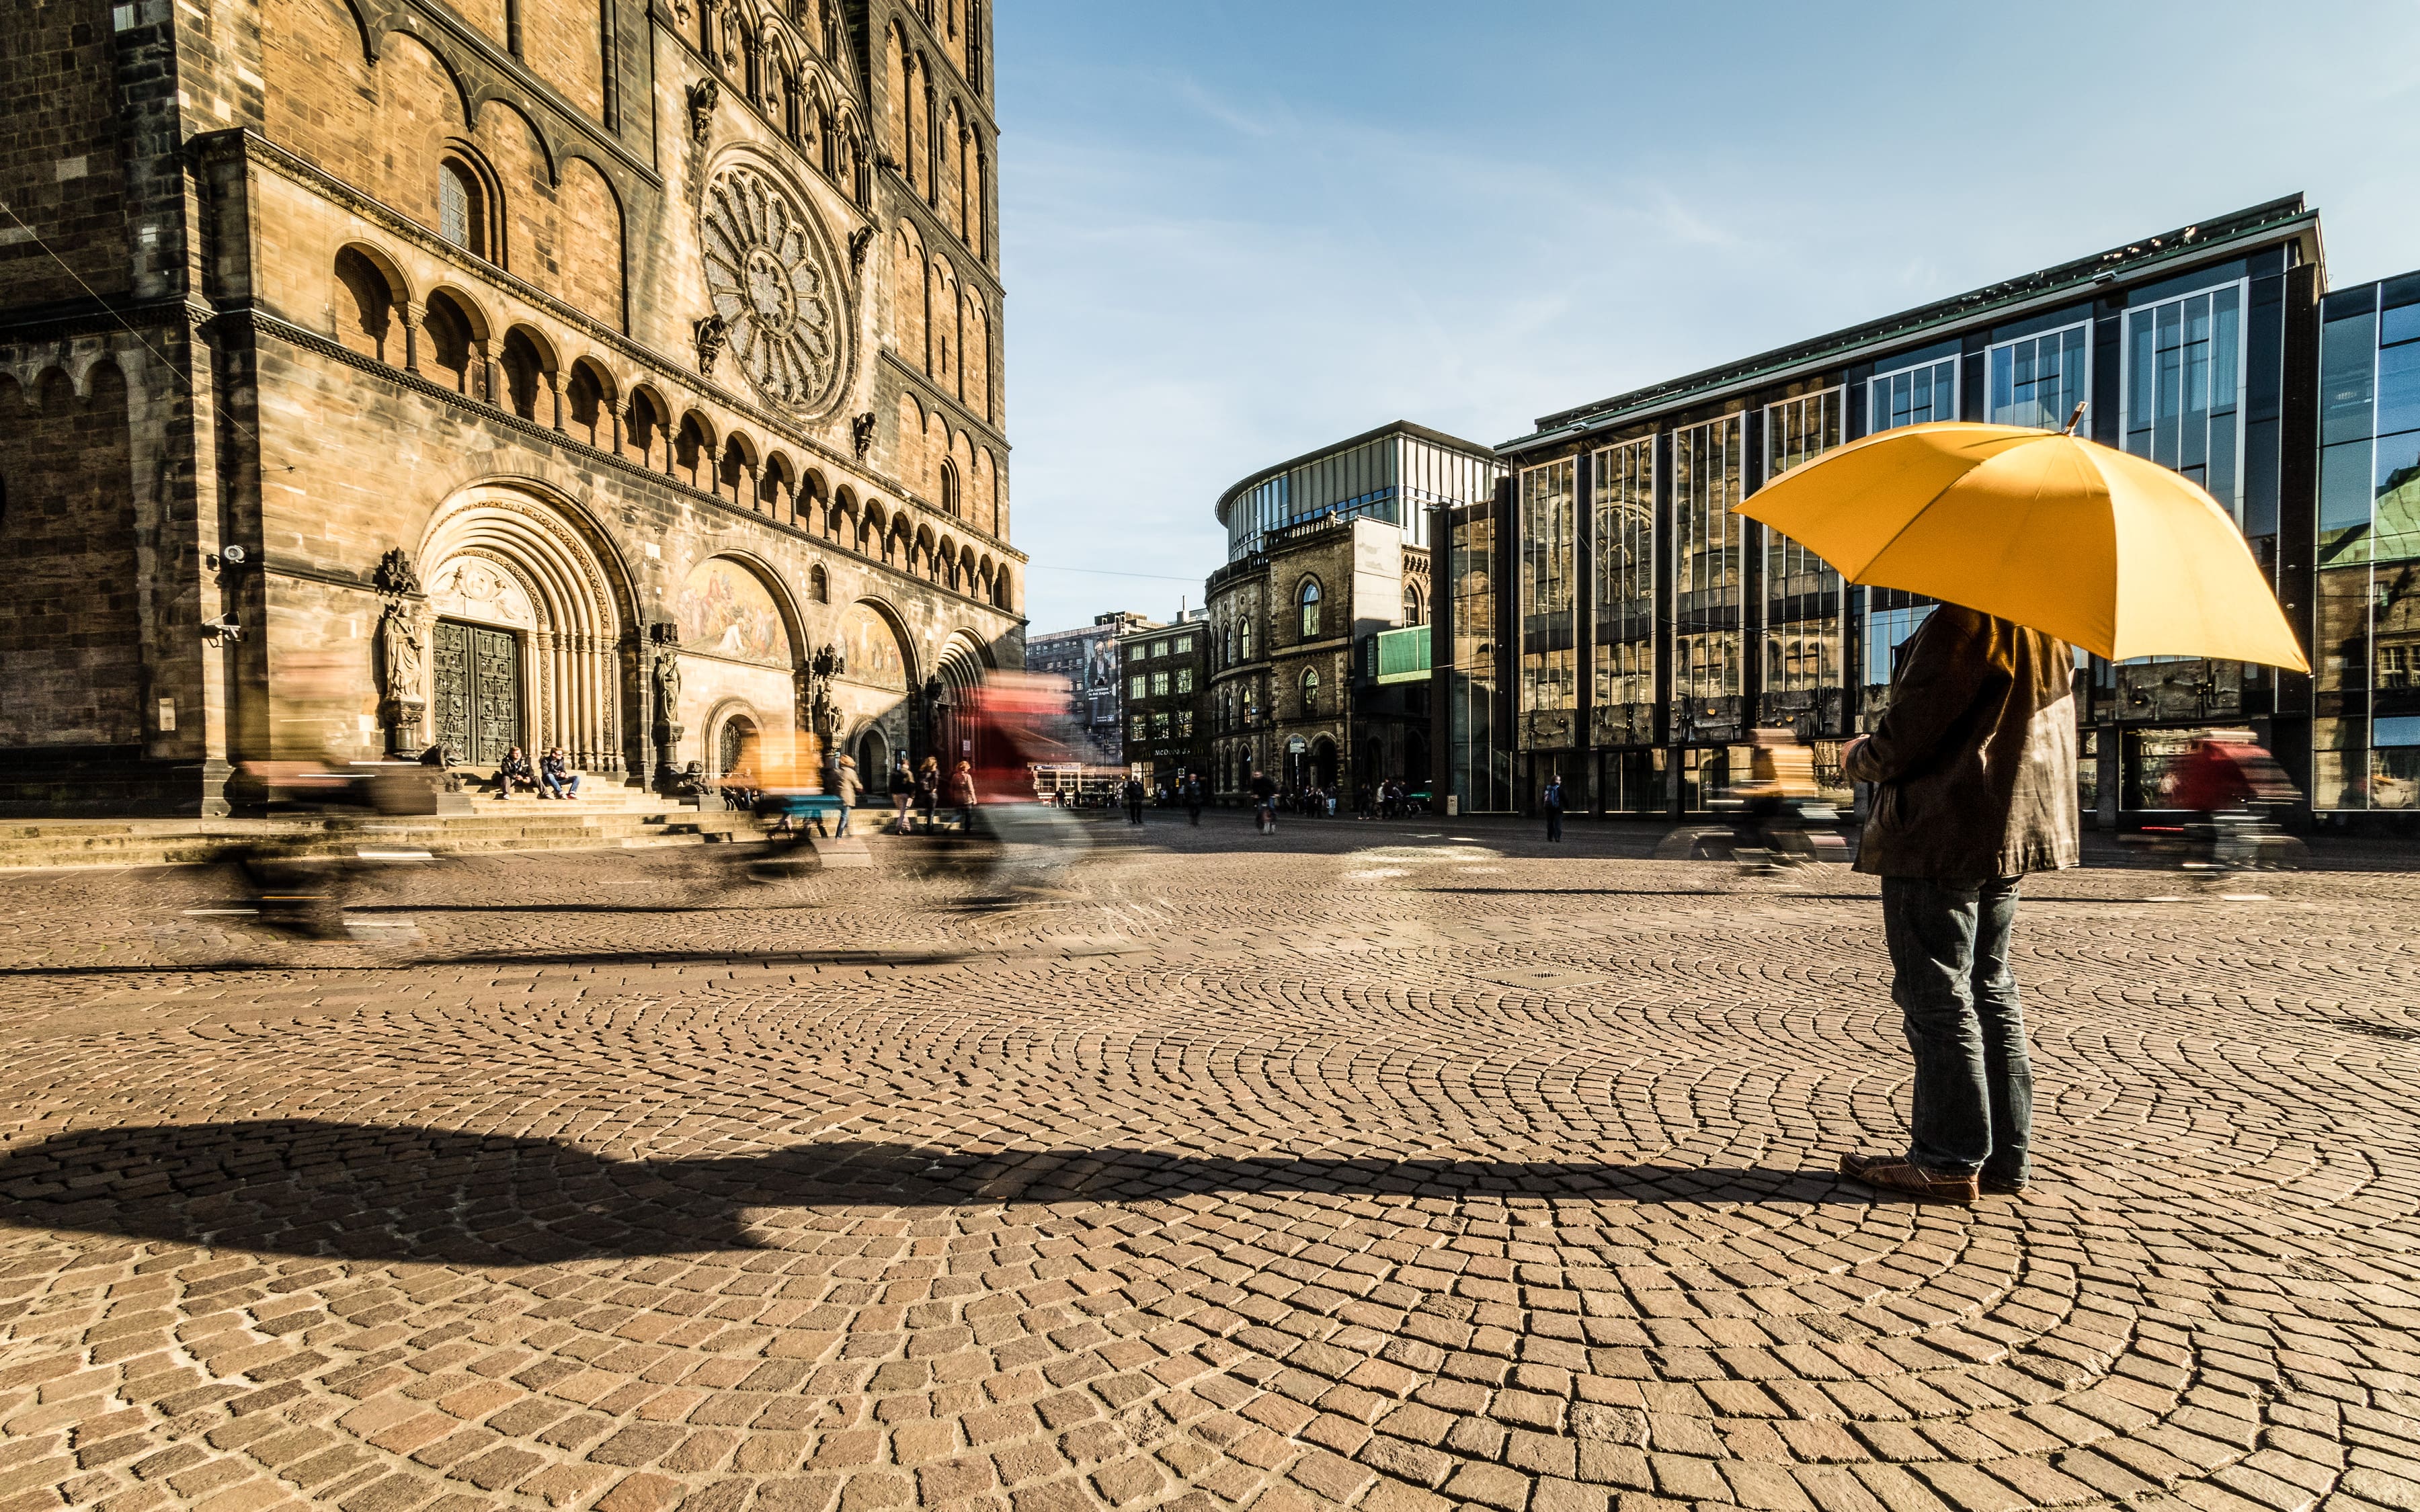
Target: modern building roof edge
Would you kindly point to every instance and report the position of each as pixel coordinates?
(2276, 219)
(1392, 427)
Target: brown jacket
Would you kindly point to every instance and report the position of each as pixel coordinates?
(1975, 757)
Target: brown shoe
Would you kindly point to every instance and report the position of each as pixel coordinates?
(1896, 1173)
(2000, 1186)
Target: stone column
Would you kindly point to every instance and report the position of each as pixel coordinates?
(554, 390)
(407, 316)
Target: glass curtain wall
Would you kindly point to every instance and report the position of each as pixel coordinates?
(1706, 580)
(1549, 606)
(1622, 711)
(1481, 756)
(2182, 403)
(1891, 617)
(2367, 732)
(1910, 396)
(2039, 381)
(1803, 595)
(2184, 389)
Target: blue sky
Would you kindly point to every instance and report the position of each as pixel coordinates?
(1233, 230)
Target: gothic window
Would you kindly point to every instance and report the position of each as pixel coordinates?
(461, 206)
(1248, 640)
(1411, 604)
(1310, 690)
(1307, 598)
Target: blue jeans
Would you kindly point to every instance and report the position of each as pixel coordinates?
(566, 786)
(1973, 1080)
(1553, 824)
(842, 827)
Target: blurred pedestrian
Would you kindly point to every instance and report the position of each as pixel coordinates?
(903, 793)
(1264, 802)
(1134, 796)
(844, 784)
(962, 794)
(929, 791)
(1974, 763)
(1553, 798)
(1193, 797)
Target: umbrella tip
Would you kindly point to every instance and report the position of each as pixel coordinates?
(2073, 420)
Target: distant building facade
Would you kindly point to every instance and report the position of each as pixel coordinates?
(1167, 673)
(1087, 658)
(1611, 619)
(1326, 552)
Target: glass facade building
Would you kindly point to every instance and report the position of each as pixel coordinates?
(1647, 627)
(1400, 474)
(2365, 726)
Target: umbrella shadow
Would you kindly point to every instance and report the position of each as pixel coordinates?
(389, 1194)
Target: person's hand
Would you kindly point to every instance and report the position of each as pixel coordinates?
(1849, 752)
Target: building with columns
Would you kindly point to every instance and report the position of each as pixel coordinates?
(388, 373)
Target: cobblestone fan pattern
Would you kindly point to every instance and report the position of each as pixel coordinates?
(1371, 1168)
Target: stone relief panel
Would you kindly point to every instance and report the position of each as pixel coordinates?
(470, 589)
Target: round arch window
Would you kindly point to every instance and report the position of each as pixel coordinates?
(462, 207)
(1308, 597)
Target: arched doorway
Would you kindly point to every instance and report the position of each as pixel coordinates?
(735, 746)
(961, 671)
(872, 759)
(523, 634)
(1322, 762)
(1416, 760)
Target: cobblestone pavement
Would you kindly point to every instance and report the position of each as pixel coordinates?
(1381, 1167)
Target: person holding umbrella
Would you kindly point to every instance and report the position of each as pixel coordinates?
(2037, 542)
(1974, 767)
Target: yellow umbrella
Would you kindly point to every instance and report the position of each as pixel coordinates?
(2102, 548)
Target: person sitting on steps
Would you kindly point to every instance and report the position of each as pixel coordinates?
(556, 780)
(515, 769)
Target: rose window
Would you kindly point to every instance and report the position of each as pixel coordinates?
(765, 275)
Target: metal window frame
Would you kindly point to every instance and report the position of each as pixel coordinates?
(2084, 325)
(1957, 388)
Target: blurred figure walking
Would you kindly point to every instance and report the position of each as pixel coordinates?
(1553, 798)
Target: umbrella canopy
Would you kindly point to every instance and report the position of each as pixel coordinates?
(2105, 549)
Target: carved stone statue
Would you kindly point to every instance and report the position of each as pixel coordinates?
(668, 686)
(712, 334)
(815, 677)
(858, 240)
(399, 649)
(860, 434)
(701, 96)
(395, 576)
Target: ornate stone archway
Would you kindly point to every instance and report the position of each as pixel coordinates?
(504, 562)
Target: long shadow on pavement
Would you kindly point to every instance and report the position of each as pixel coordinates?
(368, 1192)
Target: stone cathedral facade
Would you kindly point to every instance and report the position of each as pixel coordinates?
(616, 374)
